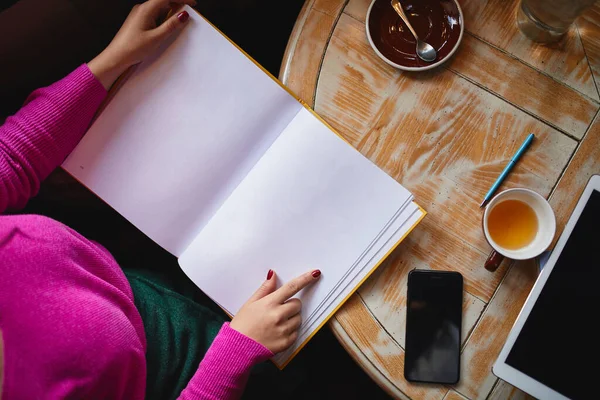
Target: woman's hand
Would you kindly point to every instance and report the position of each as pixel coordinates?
(139, 36)
(271, 317)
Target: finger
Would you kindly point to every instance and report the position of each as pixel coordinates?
(173, 24)
(156, 8)
(291, 307)
(293, 323)
(291, 339)
(267, 287)
(295, 285)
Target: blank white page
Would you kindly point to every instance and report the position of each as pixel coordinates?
(390, 238)
(311, 202)
(393, 235)
(181, 133)
(364, 258)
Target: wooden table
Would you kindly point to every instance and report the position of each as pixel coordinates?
(446, 135)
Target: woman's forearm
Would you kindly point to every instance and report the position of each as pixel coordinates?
(106, 69)
(225, 369)
(36, 140)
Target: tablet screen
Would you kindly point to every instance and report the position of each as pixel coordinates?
(559, 345)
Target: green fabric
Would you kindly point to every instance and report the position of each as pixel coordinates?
(179, 331)
(178, 334)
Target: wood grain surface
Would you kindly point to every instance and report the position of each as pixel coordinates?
(462, 137)
(506, 391)
(491, 331)
(589, 31)
(526, 88)
(584, 164)
(494, 22)
(312, 38)
(329, 7)
(385, 353)
(446, 135)
(452, 395)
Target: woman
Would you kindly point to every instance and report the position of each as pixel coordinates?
(72, 324)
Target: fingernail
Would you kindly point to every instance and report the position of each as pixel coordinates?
(269, 274)
(316, 273)
(183, 16)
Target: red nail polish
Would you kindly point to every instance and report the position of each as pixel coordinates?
(183, 16)
(316, 273)
(269, 274)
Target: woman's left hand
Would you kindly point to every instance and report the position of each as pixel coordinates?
(139, 36)
(271, 316)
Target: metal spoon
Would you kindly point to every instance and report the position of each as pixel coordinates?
(425, 51)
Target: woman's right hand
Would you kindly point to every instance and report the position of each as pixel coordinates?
(141, 34)
(272, 317)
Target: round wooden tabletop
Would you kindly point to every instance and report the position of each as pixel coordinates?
(446, 135)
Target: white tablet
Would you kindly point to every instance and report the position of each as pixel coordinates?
(553, 350)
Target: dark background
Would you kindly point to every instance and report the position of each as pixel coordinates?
(41, 41)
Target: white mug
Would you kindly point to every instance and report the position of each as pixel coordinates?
(545, 217)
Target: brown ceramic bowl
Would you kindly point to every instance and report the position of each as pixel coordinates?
(438, 22)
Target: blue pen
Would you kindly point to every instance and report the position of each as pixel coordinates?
(507, 169)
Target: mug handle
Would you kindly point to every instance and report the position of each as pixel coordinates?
(493, 261)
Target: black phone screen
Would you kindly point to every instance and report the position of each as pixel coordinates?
(433, 321)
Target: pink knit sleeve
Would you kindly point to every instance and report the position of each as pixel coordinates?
(224, 371)
(35, 140)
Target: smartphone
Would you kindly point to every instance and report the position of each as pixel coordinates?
(433, 321)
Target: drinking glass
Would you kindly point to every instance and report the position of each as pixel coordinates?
(546, 21)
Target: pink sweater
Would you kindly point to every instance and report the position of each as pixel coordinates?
(67, 316)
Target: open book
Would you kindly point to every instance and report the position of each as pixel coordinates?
(216, 162)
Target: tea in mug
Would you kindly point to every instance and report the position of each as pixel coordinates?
(512, 224)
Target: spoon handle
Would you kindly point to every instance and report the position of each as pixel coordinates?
(398, 7)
